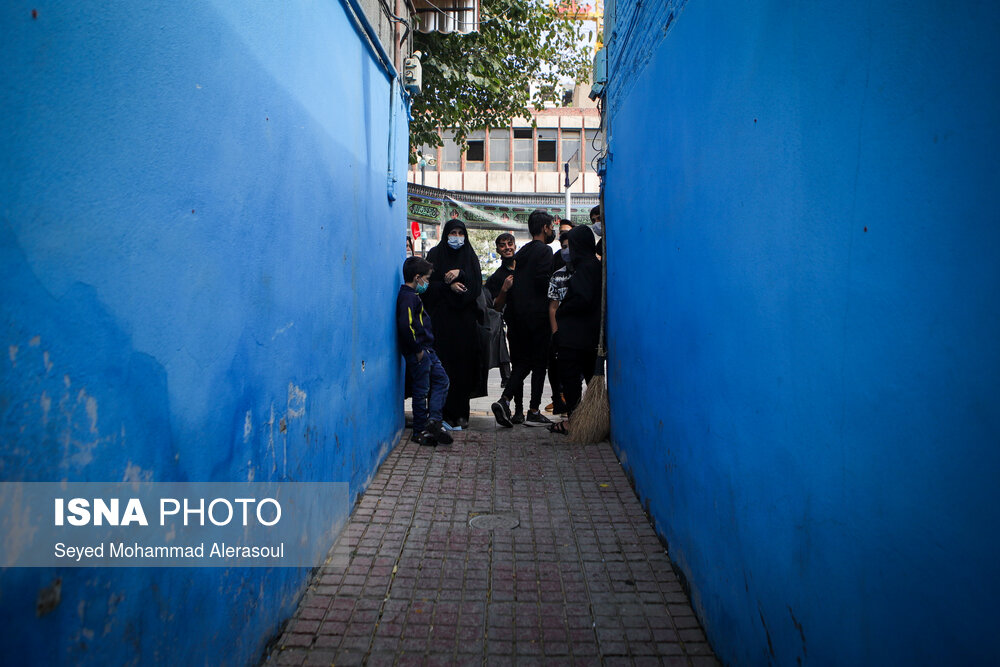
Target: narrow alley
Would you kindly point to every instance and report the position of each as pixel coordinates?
(509, 546)
(207, 208)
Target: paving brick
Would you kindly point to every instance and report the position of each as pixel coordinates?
(320, 657)
(349, 659)
(293, 640)
(295, 656)
(381, 659)
(505, 633)
(697, 648)
(692, 635)
(555, 648)
(385, 644)
(705, 661)
(393, 628)
(674, 661)
(645, 661)
(305, 626)
(327, 641)
(585, 648)
(527, 648)
(495, 647)
(356, 643)
(618, 661)
(410, 645)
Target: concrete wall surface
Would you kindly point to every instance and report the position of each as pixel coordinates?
(803, 228)
(199, 268)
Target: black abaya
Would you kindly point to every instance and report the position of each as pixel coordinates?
(455, 317)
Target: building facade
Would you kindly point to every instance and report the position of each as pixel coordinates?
(526, 157)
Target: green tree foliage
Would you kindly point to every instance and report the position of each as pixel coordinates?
(483, 79)
(483, 242)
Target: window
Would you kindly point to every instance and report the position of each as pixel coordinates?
(571, 146)
(500, 150)
(546, 150)
(450, 155)
(592, 150)
(524, 159)
(476, 155)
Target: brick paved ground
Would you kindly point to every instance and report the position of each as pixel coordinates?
(581, 579)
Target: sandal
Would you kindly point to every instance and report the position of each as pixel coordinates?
(559, 427)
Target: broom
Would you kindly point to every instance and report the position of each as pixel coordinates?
(591, 420)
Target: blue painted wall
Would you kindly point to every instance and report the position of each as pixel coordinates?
(805, 385)
(199, 265)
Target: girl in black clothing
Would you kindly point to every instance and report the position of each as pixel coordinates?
(579, 318)
(450, 299)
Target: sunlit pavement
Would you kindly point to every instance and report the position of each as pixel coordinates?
(510, 546)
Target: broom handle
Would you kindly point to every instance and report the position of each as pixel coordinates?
(601, 352)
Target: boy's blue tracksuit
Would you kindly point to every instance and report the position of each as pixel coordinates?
(428, 379)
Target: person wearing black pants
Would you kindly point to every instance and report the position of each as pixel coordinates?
(579, 319)
(527, 321)
(556, 293)
(575, 364)
(451, 301)
(498, 285)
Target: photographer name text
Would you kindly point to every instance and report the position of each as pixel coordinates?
(136, 551)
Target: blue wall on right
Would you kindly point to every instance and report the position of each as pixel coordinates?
(804, 382)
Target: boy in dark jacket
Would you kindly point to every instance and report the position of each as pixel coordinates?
(428, 380)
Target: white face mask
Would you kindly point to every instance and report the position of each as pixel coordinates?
(456, 242)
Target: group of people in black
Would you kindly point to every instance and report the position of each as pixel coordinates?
(551, 308)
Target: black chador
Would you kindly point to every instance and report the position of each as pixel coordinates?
(456, 316)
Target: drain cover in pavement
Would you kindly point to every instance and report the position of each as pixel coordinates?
(494, 521)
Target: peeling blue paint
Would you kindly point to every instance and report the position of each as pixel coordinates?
(194, 245)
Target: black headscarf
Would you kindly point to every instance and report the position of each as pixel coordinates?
(445, 258)
(455, 316)
(582, 248)
(579, 314)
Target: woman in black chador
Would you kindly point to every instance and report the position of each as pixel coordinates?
(450, 299)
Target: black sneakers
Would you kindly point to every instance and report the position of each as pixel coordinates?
(518, 417)
(440, 433)
(536, 418)
(424, 437)
(501, 410)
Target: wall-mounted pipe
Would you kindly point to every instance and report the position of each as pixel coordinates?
(390, 185)
(368, 31)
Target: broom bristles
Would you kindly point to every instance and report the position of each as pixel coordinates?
(591, 420)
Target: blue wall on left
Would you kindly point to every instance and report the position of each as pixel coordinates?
(199, 265)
